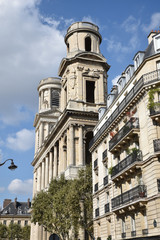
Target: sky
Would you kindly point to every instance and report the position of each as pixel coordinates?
(31, 48)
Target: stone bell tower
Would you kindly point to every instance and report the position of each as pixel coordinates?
(84, 70)
(68, 112)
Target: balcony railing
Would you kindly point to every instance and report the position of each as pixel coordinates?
(156, 144)
(105, 180)
(104, 155)
(96, 187)
(131, 124)
(123, 235)
(133, 157)
(145, 231)
(132, 195)
(96, 163)
(148, 78)
(106, 208)
(156, 109)
(133, 233)
(96, 212)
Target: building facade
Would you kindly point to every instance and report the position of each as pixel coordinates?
(68, 111)
(126, 153)
(15, 212)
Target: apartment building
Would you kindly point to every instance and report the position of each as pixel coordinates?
(15, 212)
(126, 153)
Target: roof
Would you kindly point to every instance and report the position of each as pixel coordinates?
(16, 208)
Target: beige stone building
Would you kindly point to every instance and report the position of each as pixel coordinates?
(68, 112)
(15, 212)
(126, 153)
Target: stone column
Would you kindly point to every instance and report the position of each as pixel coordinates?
(50, 165)
(41, 135)
(55, 162)
(60, 170)
(46, 171)
(71, 149)
(81, 146)
(43, 174)
(39, 178)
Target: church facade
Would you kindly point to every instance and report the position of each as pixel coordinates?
(68, 111)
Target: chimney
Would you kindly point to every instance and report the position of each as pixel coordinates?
(151, 35)
(6, 202)
(15, 202)
(28, 202)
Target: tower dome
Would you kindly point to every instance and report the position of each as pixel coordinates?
(82, 36)
(49, 93)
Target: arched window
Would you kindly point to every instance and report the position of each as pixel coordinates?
(54, 98)
(88, 44)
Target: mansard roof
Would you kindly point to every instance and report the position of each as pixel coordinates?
(16, 208)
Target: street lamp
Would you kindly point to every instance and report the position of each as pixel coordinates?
(12, 166)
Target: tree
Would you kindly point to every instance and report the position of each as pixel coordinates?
(14, 231)
(26, 232)
(3, 231)
(60, 208)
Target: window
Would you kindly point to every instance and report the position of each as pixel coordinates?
(68, 47)
(5, 222)
(88, 44)
(90, 86)
(12, 221)
(19, 222)
(137, 61)
(158, 184)
(107, 197)
(133, 224)
(55, 98)
(123, 225)
(25, 222)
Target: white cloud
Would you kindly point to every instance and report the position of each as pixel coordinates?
(31, 48)
(2, 189)
(88, 19)
(22, 140)
(114, 80)
(154, 23)
(131, 24)
(20, 187)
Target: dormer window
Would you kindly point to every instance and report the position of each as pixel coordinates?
(137, 61)
(157, 43)
(88, 44)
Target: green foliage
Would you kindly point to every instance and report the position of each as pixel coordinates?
(15, 231)
(67, 205)
(110, 170)
(26, 232)
(151, 103)
(3, 231)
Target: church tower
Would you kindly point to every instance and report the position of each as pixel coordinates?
(68, 111)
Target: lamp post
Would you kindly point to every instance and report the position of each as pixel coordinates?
(12, 166)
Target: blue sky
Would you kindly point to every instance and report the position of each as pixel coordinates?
(31, 48)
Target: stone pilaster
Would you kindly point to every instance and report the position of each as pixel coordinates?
(46, 171)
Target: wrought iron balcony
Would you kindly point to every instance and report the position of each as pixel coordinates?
(133, 233)
(133, 123)
(96, 163)
(145, 231)
(149, 78)
(105, 180)
(130, 159)
(97, 212)
(96, 187)
(134, 194)
(123, 235)
(106, 208)
(156, 109)
(156, 144)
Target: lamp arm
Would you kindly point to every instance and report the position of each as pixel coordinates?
(6, 161)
